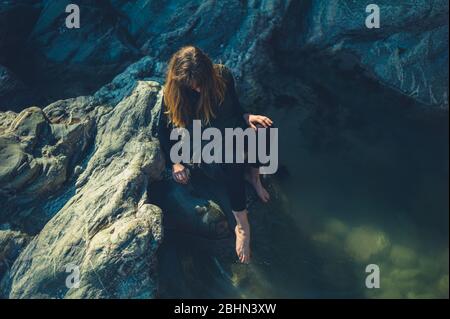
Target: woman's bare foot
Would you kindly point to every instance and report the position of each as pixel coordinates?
(243, 243)
(242, 231)
(253, 178)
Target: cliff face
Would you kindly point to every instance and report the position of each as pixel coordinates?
(76, 175)
(409, 52)
(48, 61)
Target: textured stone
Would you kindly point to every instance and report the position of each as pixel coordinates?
(409, 52)
(102, 221)
(11, 244)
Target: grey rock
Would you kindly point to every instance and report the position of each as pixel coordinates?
(80, 175)
(14, 94)
(11, 244)
(37, 159)
(17, 19)
(409, 52)
(120, 259)
(62, 62)
(197, 209)
(102, 222)
(77, 175)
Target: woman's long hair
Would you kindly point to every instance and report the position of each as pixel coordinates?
(188, 68)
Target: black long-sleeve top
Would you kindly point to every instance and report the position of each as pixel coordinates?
(228, 114)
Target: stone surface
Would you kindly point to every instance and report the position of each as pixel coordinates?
(78, 176)
(11, 244)
(100, 220)
(362, 243)
(37, 158)
(13, 91)
(408, 53)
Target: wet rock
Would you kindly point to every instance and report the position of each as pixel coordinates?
(119, 262)
(11, 244)
(37, 159)
(336, 227)
(62, 62)
(14, 94)
(199, 208)
(247, 36)
(403, 256)
(443, 286)
(409, 51)
(100, 222)
(364, 242)
(80, 176)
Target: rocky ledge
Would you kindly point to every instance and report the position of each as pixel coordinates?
(75, 179)
(78, 183)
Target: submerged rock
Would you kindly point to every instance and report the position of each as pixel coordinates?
(442, 285)
(364, 242)
(403, 256)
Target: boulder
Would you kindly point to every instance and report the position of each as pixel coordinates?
(14, 94)
(100, 221)
(83, 175)
(37, 157)
(11, 244)
(409, 52)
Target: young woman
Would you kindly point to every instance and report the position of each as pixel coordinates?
(197, 89)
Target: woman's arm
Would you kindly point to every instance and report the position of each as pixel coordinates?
(252, 120)
(229, 79)
(179, 172)
(164, 134)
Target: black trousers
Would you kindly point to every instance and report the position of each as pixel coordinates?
(234, 178)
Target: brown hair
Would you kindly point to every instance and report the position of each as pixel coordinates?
(187, 68)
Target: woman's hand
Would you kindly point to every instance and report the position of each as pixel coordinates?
(180, 173)
(254, 120)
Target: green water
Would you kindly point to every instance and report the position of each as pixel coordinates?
(364, 180)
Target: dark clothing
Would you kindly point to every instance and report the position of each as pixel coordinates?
(229, 114)
(235, 185)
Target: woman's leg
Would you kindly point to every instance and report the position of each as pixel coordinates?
(254, 178)
(235, 185)
(242, 232)
(252, 173)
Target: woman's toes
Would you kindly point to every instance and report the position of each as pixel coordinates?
(263, 194)
(267, 196)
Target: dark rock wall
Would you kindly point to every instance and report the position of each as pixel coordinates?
(408, 53)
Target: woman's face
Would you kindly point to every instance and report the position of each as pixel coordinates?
(196, 87)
